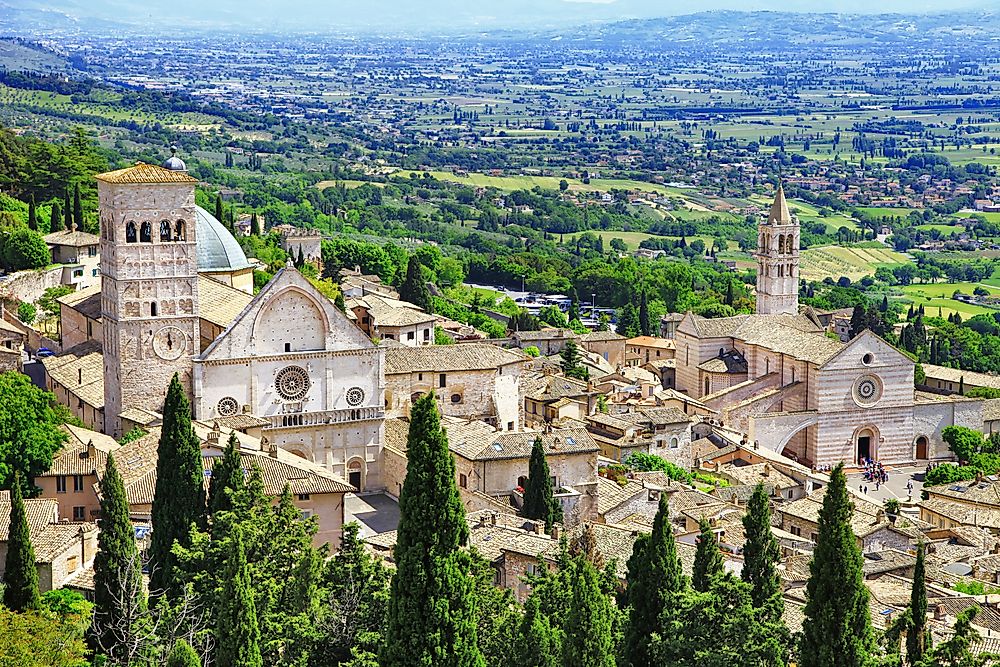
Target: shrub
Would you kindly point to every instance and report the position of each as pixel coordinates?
(26, 312)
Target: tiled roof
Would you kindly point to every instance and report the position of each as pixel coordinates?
(866, 517)
(56, 538)
(601, 336)
(793, 335)
(241, 422)
(81, 371)
(448, 358)
(611, 494)
(82, 579)
(985, 491)
(651, 341)
(40, 511)
(76, 458)
(766, 473)
(74, 238)
(983, 516)
(970, 378)
(553, 387)
(220, 303)
(145, 173)
(86, 301)
(389, 312)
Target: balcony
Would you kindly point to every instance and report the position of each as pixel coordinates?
(300, 419)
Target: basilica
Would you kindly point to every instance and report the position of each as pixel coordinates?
(779, 377)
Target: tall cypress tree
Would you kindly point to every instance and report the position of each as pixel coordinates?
(254, 224)
(654, 580)
(539, 643)
(414, 287)
(300, 261)
(20, 578)
(837, 630)
(588, 641)
(227, 478)
(432, 616)
(539, 503)
(55, 218)
(117, 570)
(761, 555)
(916, 632)
(77, 208)
(645, 326)
(179, 499)
(67, 212)
(218, 210)
(707, 558)
(32, 215)
(237, 631)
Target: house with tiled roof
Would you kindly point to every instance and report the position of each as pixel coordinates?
(72, 477)
(62, 548)
(550, 398)
(663, 431)
(79, 253)
(386, 318)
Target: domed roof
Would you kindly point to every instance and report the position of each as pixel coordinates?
(174, 163)
(218, 250)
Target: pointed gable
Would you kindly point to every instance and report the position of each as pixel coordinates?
(853, 354)
(287, 311)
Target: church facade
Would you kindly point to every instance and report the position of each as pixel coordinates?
(777, 377)
(289, 358)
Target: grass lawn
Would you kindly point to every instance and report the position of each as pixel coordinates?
(886, 212)
(944, 229)
(938, 295)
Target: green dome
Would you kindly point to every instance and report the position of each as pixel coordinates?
(218, 250)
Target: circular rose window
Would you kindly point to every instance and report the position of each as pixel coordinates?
(292, 383)
(227, 407)
(355, 396)
(867, 390)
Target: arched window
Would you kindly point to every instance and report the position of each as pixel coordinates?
(788, 244)
(164, 230)
(130, 232)
(781, 244)
(146, 233)
(152, 309)
(781, 270)
(180, 234)
(708, 386)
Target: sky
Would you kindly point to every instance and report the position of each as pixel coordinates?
(417, 15)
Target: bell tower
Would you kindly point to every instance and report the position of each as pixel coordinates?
(778, 260)
(149, 285)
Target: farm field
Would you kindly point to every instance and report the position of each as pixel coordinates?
(944, 229)
(632, 239)
(937, 296)
(855, 263)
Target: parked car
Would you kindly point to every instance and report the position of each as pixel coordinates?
(44, 352)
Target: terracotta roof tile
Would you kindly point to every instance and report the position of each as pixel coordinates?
(145, 173)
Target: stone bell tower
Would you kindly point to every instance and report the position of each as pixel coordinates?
(778, 260)
(149, 285)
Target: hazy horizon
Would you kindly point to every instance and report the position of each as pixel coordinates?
(403, 15)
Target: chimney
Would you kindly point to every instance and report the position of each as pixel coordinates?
(493, 518)
(979, 476)
(272, 450)
(91, 450)
(79, 376)
(213, 435)
(767, 469)
(939, 612)
(555, 532)
(539, 527)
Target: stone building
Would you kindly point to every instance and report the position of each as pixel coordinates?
(79, 253)
(665, 432)
(71, 480)
(391, 319)
(608, 345)
(471, 380)
(308, 241)
(778, 260)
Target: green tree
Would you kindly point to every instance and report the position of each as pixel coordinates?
(432, 616)
(32, 215)
(25, 249)
(837, 629)
(628, 321)
(707, 558)
(761, 555)
(77, 208)
(40, 639)
(563, 185)
(414, 287)
(917, 636)
(67, 212)
(119, 597)
(26, 312)
(300, 261)
(539, 643)
(219, 215)
(957, 650)
(571, 361)
(539, 502)
(227, 478)
(254, 224)
(55, 218)
(182, 655)
(179, 498)
(237, 630)
(645, 323)
(30, 432)
(654, 581)
(20, 577)
(588, 641)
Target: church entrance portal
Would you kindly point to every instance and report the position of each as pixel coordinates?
(354, 475)
(921, 448)
(866, 442)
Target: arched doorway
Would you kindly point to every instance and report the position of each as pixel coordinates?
(921, 448)
(866, 444)
(356, 474)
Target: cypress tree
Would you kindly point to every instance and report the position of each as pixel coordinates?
(67, 212)
(179, 499)
(32, 215)
(645, 327)
(916, 632)
(254, 224)
(729, 293)
(301, 260)
(654, 581)
(539, 643)
(20, 578)
(227, 478)
(432, 616)
(574, 305)
(182, 655)
(761, 555)
(837, 630)
(77, 208)
(539, 503)
(55, 218)
(961, 385)
(218, 209)
(117, 569)
(237, 630)
(588, 641)
(707, 558)
(414, 287)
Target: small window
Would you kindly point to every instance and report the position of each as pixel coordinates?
(456, 398)
(164, 230)
(179, 231)
(813, 537)
(463, 480)
(411, 335)
(427, 334)
(77, 483)
(130, 235)
(288, 347)
(79, 513)
(146, 233)
(72, 563)
(867, 359)
(442, 380)
(510, 426)
(420, 377)
(92, 251)
(303, 496)
(94, 273)
(674, 443)
(152, 309)
(61, 484)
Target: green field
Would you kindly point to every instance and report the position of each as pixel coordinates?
(855, 263)
(633, 239)
(936, 296)
(944, 229)
(886, 212)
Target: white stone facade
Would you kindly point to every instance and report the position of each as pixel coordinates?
(778, 261)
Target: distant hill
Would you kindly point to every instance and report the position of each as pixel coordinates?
(22, 56)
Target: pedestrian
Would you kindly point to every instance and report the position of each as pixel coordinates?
(866, 489)
(876, 485)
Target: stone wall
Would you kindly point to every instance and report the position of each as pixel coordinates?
(29, 285)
